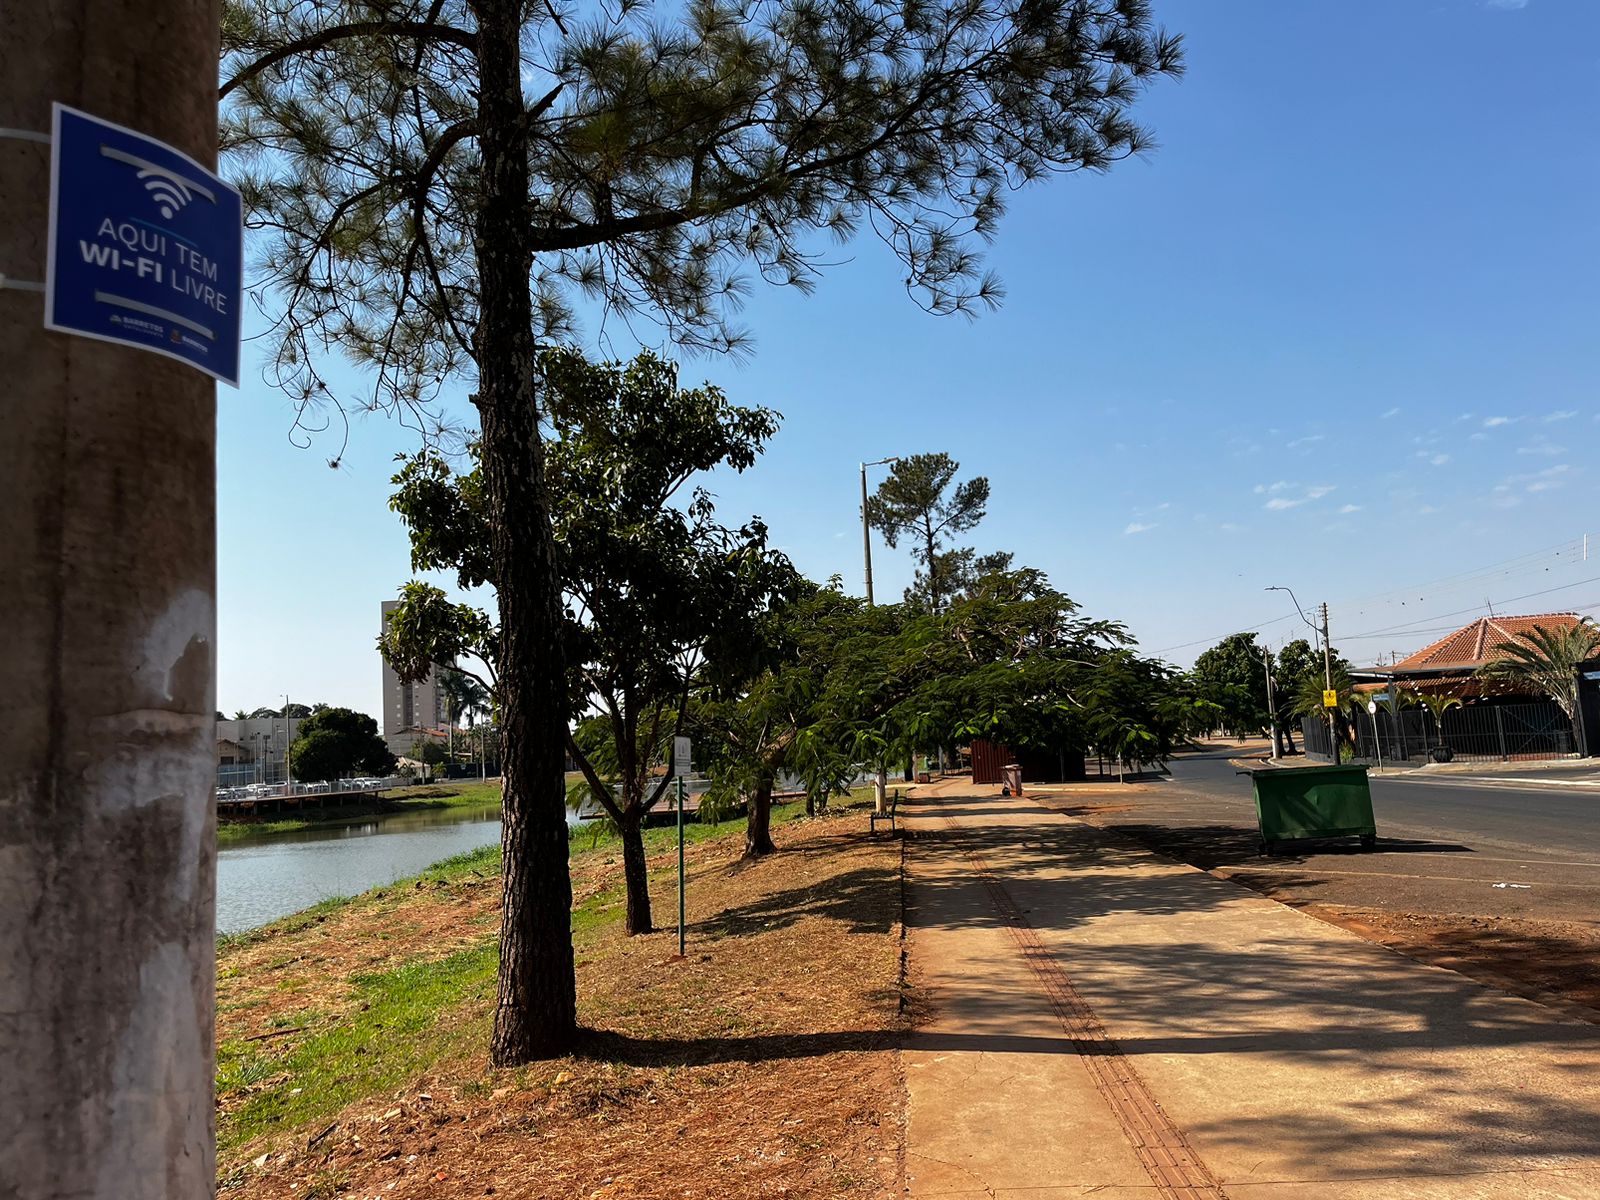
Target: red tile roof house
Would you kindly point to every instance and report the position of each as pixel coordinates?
(1449, 667)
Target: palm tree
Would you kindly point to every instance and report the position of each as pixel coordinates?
(463, 696)
(1439, 703)
(1547, 660)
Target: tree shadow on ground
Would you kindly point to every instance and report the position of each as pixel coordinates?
(1218, 845)
(1351, 1061)
(853, 898)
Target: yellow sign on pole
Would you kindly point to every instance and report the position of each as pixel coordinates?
(1330, 698)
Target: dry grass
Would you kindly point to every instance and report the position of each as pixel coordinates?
(762, 1065)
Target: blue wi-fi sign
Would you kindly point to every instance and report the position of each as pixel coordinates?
(146, 246)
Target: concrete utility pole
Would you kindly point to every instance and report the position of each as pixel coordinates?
(108, 574)
(1327, 682)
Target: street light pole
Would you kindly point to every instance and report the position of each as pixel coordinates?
(288, 739)
(1327, 666)
(866, 535)
(1272, 705)
(881, 784)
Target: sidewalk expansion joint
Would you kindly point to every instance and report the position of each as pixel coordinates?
(1171, 1163)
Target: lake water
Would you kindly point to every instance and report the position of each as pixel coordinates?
(260, 881)
(281, 873)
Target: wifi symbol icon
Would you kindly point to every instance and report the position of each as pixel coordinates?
(168, 191)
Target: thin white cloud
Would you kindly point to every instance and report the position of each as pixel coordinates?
(1561, 414)
(1350, 508)
(1547, 480)
(1138, 527)
(1548, 449)
(1393, 412)
(1506, 5)
(1308, 440)
(1495, 422)
(1437, 460)
(1280, 503)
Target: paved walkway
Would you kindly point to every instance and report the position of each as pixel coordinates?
(1108, 1022)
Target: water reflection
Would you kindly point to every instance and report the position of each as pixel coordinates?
(274, 875)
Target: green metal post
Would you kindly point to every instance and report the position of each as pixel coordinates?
(680, 866)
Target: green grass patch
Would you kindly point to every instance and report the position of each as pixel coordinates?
(396, 1032)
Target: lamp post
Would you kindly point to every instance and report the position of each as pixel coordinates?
(1272, 705)
(1327, 665)
(881, 784)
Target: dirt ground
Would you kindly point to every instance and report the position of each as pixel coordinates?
(1555, 962)
(762, 1065)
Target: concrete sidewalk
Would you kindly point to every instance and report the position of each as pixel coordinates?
(1108, 1022)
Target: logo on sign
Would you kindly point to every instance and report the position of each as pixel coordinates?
(168, 191)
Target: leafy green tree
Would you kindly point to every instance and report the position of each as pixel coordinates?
(1546, 660)
(1232, 675)
(334, 742)
(752, 716)
(1015, 661)
(295, 711)
(655, 587)
(429, 753)
(433, 180)
(916, 502)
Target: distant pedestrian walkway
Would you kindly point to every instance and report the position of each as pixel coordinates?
(1108, 1022)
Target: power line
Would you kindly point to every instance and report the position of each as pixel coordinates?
(1210, 640)
(1407, 627)
(1507, 566)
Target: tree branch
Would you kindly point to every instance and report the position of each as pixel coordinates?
(422, 31)
(597, 786)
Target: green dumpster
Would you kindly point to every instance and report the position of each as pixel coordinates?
(1313, 802)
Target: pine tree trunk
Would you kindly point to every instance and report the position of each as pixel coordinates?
(758, 825)
(536, 1011)
(107, 732)
(635, 871)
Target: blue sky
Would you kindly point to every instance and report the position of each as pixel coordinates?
(1339, 332)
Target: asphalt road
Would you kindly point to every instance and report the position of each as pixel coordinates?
(1445, 841)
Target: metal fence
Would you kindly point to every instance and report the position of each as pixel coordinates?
(1480, 733)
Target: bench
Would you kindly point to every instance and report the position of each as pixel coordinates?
(887, 814)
